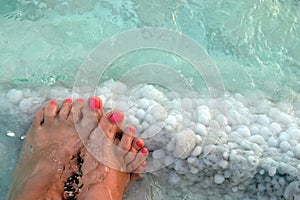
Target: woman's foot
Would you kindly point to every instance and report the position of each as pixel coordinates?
(112, 158)
(47, 157)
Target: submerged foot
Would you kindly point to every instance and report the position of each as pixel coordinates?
(47, 156)
(112, 158)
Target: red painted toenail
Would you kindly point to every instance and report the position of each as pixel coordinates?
(94, 104)
(132, 130)
(54, 102)
(144, 151)
(139, 144)
(81, 100)
(68, 101)
(116, 118)
(144, 164)
(43, 108)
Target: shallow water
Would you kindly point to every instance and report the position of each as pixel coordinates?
(254, 45)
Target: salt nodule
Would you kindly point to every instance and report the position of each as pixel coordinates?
(246, 148)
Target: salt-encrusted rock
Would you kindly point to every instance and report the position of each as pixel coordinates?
(158, 112)
(292, 191)
(204, 115)
(158, 154)
(221, 119)
(140, 114)
(174, 178)
(284, 146)
(219, 179)
(29, 105)
(272, 142)
(181, 167)
(171, 120)
(152, 130)
(134, 121)
(254, 129)
(297, 151)
(143, 103)
(275, 127)
(263, 120)
(184, 144)
(257, 139)
(197, 151)
(201, 130)
(243, 131)
(14, 96)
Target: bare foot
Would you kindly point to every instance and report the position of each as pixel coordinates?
(112, 158)
(47, 157)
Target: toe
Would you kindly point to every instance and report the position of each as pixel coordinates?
(139, 158)
(38, 118)
(141, 169)
(50, 111)
(137, 145)
(112, 123)
(127, 138)
(91, 114)
(75, 114)
(65, 109)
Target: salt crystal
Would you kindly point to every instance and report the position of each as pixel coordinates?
(219, 179)
(284, 146)
(10, 134)
(14, 96)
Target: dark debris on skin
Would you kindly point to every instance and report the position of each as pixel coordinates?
(73, 184)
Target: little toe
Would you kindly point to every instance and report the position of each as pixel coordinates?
(140, 157)
(65, 109)
(50, 112)
(75, 114)
(38, 118)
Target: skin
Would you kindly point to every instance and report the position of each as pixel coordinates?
(58, 135)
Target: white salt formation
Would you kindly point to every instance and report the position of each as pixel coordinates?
(232, 147)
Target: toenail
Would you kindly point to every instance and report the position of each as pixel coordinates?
(81, 100)
(116, 118)
(139, 144)
(132, 130)
(94, 104)
(68, 101)
(43, 108)
(144, 164)
(144, 151)
(54, 102)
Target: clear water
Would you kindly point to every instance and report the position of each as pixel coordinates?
(254, 44)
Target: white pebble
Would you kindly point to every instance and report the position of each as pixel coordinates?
(140, 114)
(219, 179)
(197, 151)
(10, 134)
(158, 154)
(297, 151)
(158, 112)
(201, 130)
(184, 144)
(275, 127)
(257, 139)
(134, 121)
(171, 120)
(284, 146)
(263, 120)
(272, 142)
(143, 103)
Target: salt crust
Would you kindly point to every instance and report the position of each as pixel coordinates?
(250, 150)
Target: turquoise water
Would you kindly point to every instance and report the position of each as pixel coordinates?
(255, 46)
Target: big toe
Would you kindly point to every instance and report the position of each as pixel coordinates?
(91, 114)
(50, 112)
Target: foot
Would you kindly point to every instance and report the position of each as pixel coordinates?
(112, 158)
(47, 157)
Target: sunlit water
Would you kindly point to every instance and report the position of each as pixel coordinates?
(254, 44)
